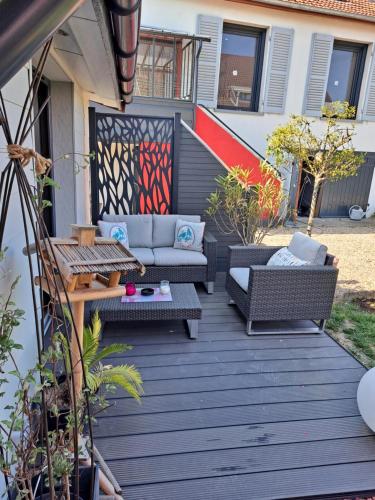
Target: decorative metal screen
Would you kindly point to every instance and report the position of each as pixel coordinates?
(132, 173)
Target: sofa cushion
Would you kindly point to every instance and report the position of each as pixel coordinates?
(284, 257)
(115, 230)
(241, 276)
(306, 248)
(168, 256)
(139, 228)
(144, 255)
(164, 226)
(189, 235)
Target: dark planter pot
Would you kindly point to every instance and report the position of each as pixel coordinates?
(59, 421)
(84, 486)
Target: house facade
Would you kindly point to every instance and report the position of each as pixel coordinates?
(264, 62)
(81, 65)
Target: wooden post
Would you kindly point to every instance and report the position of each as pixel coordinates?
(78, 316)
(85, 234)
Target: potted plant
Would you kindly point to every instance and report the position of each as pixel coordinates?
(96, 372)
(325, 152)
(245, 209)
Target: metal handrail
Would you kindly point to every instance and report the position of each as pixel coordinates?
(259, 155)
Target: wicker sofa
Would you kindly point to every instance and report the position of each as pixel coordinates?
(151, 239)
(280, 293)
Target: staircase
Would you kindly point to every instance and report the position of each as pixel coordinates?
(227, 145)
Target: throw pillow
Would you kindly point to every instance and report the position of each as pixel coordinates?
(284, 257)
(116, 230)
(189, 235)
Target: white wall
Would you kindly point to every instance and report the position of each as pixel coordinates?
(15, 262)
(181, 15)
(81, 145)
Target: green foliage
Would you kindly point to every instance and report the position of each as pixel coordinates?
(329, 155)
(97, 373)
(357, 327)
(325, 151)
(248, 210)
(10, 318)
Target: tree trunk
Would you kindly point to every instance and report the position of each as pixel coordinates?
(314, 199)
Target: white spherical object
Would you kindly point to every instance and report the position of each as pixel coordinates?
(366, 398)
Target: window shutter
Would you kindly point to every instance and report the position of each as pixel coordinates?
(317, 75)
(278, 69)
(369, 105)
(209, 60)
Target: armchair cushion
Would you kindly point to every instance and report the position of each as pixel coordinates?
(305, 248)
(284, 257)
(240, 276)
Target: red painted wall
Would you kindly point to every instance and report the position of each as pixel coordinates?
(227, 148)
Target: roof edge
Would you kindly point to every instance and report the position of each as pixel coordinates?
(283, 4)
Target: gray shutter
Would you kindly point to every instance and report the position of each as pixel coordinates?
(369, 105)
(317, 75)
(278, 69)
(209, 60)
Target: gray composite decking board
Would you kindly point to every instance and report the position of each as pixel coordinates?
(295, 483)
(270, 366)
(232, 398)
(222, 438)
(209, 340)
(232, 417)
(215, 463)
(181, 386)
(220, 345)
(218, 417)
(240, 355)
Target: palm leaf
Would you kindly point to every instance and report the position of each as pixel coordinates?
(109, 350)
(125, 376)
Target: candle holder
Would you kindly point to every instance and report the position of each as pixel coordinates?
(164, 287)
(130, 289)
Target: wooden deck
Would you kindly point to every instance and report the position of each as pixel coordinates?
(228, 417)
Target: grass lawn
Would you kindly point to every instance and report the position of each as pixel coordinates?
(352, 324)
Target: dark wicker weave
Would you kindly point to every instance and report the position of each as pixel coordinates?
(278, 293)
(183, 274)
(185, 305)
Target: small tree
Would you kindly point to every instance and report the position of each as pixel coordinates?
(328, 155)
(248, 210)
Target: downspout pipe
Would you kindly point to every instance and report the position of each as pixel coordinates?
(126, 18)
(25, 27)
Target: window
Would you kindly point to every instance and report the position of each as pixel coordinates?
(165, 66)
(240, 67)
(346, 71)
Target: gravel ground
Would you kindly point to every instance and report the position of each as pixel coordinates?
(352, 242)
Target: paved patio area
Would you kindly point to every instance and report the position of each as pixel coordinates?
(352, 242)
(228, 417)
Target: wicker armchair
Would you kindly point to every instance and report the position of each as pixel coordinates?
(278, 293)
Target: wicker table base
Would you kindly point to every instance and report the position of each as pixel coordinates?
(185, 305)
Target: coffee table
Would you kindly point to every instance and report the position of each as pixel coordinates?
(185, 305)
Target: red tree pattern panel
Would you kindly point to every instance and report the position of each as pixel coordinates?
(155, 182)
(133, 164)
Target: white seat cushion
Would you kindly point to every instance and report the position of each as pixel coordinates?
(144, 255)
(305, 248)
(139, 228)
(164, 227)
(168, 256)
(241, 276)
